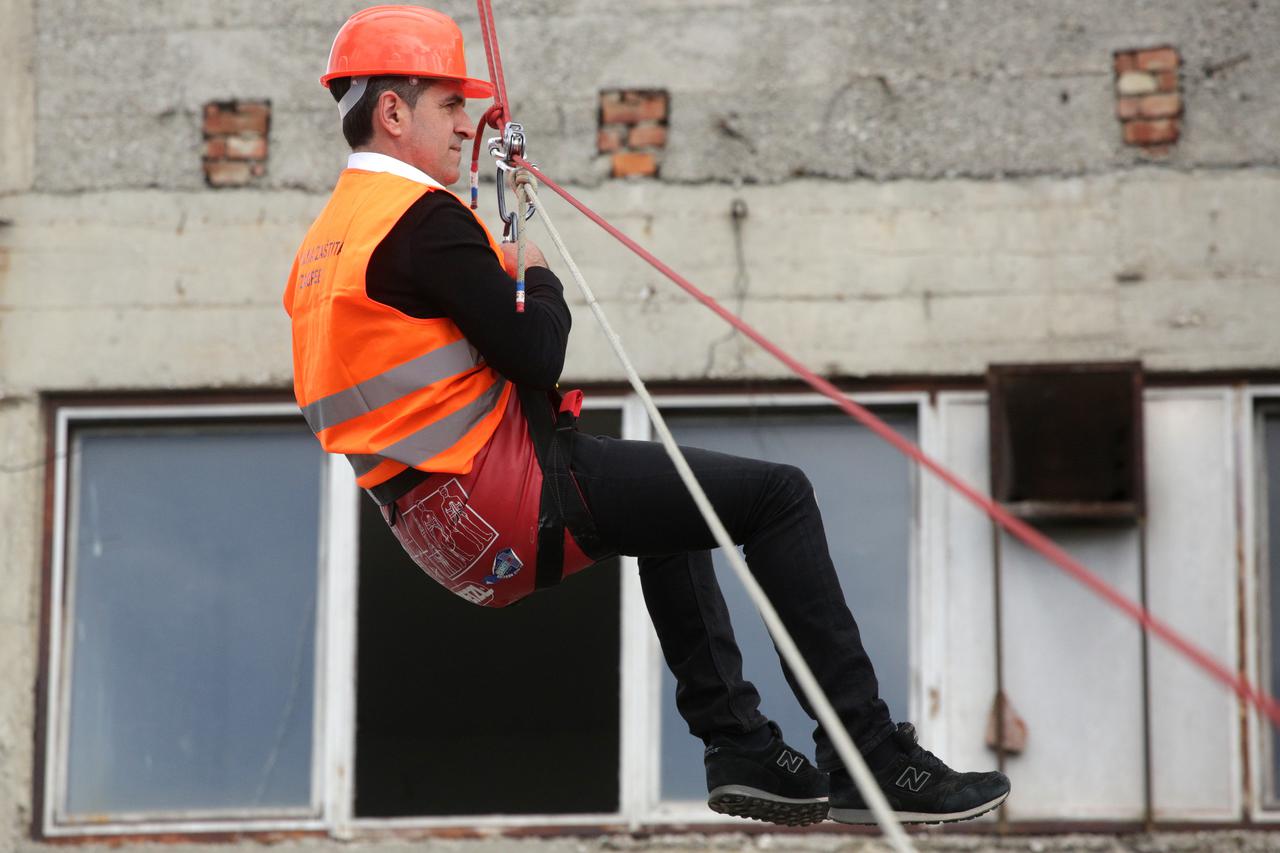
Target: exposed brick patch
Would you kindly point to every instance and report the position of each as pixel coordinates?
(647, 136)
(1150, 106)
(235, 142)
(227, 174)
(628, 163)
(247, 148)
(1160, 106)
(633, 129)
(1158, 132)
(236, 117)
(609, 140)
(1137, 83)
(1125, 62)
(1149, 98)
(215, 149)
(632, 106)
(1158, 59)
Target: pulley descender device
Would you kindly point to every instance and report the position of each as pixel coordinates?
(505, 149)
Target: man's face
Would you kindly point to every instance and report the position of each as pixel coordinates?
(437, 128)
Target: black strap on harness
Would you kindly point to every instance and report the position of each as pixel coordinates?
(552, 421)
(387, 493)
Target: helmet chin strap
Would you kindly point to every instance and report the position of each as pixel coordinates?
(353, 95)
(356, 92)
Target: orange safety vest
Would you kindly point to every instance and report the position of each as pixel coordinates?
(388, 390)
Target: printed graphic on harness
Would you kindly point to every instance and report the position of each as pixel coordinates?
(445, 535)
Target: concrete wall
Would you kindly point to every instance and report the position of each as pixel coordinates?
(17, 109)
(154, 289)
(760, 91)
(1192, 842)
(984, 207)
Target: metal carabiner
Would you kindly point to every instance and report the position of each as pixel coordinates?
(505, 149)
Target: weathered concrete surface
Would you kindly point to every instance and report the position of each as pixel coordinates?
(182, 290)
(155, 290)
(1190, 842)
(17, 107)
(21, 507)
(761, 90)
(120, 272)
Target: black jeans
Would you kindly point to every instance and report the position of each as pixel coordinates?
(642, 509)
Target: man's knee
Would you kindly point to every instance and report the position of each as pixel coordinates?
(792, 483)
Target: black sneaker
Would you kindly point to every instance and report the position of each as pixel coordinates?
(919, 788)
(774, 783)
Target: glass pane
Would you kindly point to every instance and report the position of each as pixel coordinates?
(864, 489)
(466, 710)
(193, 570)
(1271, 452)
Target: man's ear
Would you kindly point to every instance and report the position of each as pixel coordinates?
(388, 113)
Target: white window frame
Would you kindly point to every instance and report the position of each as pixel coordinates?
(1248, 401)
(1237, 419)
(333, 740)
(313, 817)
(644, 805)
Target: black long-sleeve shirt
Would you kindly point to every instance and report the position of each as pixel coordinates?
(436, 262)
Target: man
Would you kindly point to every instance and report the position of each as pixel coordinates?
(409, 357)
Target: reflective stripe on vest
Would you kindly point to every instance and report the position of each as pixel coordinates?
(360, 399)
(434, 439)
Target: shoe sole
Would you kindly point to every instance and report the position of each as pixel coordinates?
(744, 801)
(866, 816)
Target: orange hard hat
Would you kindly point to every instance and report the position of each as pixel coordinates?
(406, 41)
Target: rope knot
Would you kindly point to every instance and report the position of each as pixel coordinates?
(524, 179)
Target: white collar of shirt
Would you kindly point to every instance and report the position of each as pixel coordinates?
(371, 161)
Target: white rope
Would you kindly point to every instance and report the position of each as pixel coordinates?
(826, 714)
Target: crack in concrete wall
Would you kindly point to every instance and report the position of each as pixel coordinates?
(17, 107)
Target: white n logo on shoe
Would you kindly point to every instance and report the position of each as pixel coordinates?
(790, 762)
(913, 779)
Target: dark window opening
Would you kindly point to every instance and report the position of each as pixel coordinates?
(1268, 472)
(462, 710)
(1066, 439)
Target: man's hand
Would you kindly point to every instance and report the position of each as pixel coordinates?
(533, 257)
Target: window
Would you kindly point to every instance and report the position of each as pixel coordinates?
(242, 645)
(1267, 472)
(188, 641)
(866, 493)
(463, 710)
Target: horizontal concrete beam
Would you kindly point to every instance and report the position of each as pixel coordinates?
(179, 290)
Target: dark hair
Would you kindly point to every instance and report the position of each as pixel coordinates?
(357, 126)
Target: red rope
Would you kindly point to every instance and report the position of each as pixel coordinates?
(497, 114)
(489, 32)
(1019, 529)
(487, 118)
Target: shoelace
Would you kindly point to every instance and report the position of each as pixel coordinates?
(916, 754)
